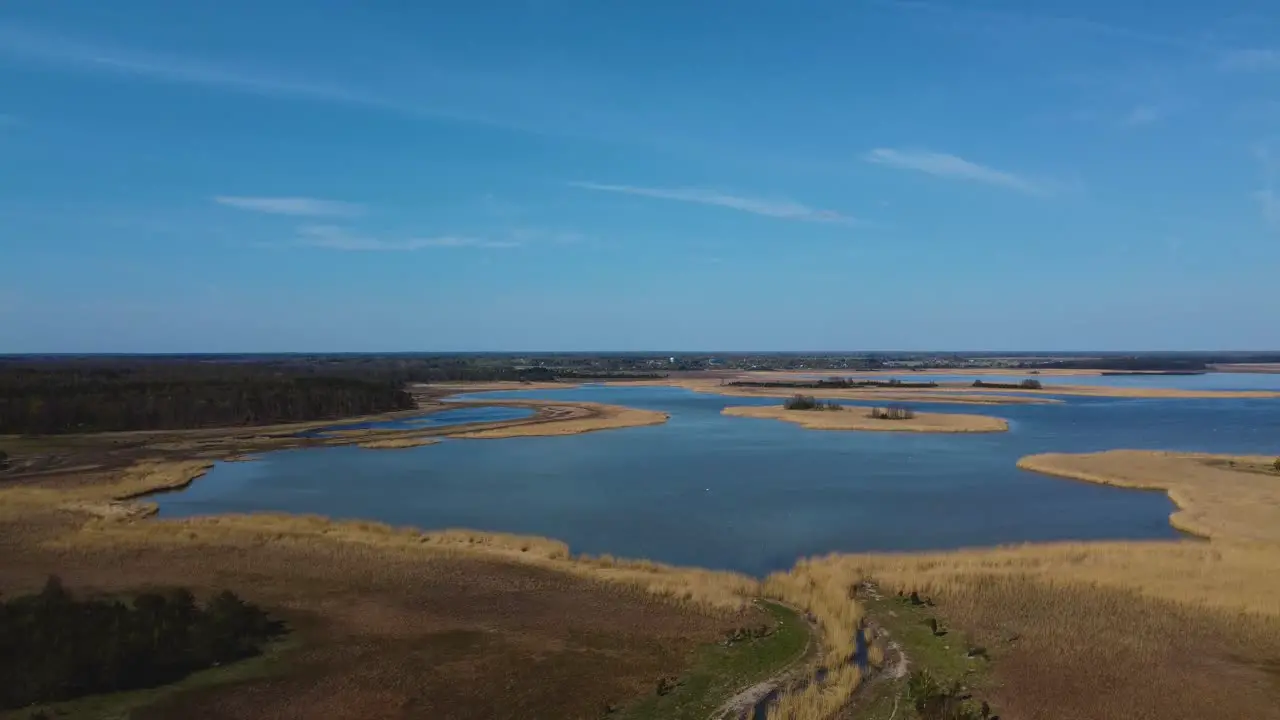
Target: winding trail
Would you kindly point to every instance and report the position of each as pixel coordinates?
(742, 704)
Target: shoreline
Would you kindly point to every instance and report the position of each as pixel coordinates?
(1224, 573)
(101, 516)
(959, 392)
(851, 419)
(1216, 496)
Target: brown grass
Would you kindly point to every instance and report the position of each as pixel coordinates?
(396, 443)
(856, 418)
(394, 622)
(1215, 498)
(570, 419)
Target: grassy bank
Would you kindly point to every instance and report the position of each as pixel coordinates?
(725, 667)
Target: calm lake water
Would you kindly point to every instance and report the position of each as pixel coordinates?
(745, 494)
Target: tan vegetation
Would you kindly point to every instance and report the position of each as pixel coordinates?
(569, 419)
(396, 443)
(1067, 624)
(393, 620)
(1134, 392)
(1248, 367)
(1217, 496)
(858, 419)
(956, 392)
(932, 395)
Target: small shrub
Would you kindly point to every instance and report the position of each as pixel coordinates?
(1031, 384)
(892, 412)
(809, 402)
(1276, 464)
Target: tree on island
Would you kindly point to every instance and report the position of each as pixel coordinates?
(809, 402)
(892, 412)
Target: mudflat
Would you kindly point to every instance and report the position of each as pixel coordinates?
(858, 419)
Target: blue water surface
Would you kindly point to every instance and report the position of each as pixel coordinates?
(746, 494)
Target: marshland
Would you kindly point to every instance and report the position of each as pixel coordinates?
(706, 558)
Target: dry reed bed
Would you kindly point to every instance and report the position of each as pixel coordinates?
(959, 392)
(855, 418)
(933, 395)
(396, 443)
(710, 590)
(1215, 499)
(110, 508)
(593, 417)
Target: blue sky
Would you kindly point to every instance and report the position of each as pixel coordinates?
(307, 175)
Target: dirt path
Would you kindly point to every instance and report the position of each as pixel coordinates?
(742, 704)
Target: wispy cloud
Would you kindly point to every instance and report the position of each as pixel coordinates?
(952, 166)
(332, 237)
(1142, 115)
(785, 209)
(1000, 20)
(297, 206)
(1250, 60)
(31, 45)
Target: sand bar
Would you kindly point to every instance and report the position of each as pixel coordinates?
(858, 419)
(1218, 496)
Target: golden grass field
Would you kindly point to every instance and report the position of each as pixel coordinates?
(568, 419)
(396, 443)
(858, 419)
(1229, 497)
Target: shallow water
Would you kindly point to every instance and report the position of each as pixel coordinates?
(745, 494)
(442, 418)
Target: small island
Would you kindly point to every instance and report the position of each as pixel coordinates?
(818, 415)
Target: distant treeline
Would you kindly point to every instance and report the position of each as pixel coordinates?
(56, 647)
(837, 383)
(1130, 364)
(614, 376)
(1029, 384)
(145, 396)
(96, 394)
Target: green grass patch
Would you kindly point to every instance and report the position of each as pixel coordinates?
(121, 705)
(721, 671)
(944, 656)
